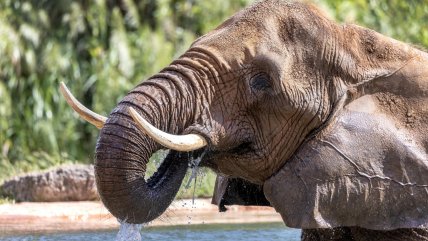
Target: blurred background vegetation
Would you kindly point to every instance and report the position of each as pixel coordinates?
(102, 48)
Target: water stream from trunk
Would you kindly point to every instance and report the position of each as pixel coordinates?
(129, 232)
(194, 165)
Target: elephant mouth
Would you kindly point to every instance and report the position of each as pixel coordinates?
(213, 157)
(242, 149)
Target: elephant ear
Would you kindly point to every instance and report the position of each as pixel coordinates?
(362, 170)
(237, 191)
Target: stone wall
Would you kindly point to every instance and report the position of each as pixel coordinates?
(65, 183)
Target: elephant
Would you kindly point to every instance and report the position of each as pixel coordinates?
(325, 122)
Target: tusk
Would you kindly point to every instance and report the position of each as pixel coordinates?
(186, 143)
(90, 116)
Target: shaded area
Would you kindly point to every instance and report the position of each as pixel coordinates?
(237, 191)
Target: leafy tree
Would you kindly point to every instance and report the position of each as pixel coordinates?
(403, 20)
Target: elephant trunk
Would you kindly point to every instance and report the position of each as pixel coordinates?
(123, 150)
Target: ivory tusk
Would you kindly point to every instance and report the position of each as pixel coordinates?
(88, 115)
(185, 143)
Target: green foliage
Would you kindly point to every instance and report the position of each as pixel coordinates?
(202, 186)
(403, 20)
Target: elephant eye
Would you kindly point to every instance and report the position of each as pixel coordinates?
(260, 82)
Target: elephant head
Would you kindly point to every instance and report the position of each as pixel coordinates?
(325, 122)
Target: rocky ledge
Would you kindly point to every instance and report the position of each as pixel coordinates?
(65, 183)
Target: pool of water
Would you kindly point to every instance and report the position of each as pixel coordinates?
(237, 232)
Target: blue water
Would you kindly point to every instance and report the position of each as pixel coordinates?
(223, 232)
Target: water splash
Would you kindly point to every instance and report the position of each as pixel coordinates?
(129, 232)
(194, 165)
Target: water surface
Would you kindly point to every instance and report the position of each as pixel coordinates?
(236, 232)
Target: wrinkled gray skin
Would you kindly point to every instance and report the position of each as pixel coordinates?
(325, 122)
(363, 170)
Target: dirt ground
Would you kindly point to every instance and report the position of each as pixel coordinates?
(87, 216)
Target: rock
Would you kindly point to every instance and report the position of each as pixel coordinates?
(66, 183)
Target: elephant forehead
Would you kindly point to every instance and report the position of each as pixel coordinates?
(258, 29)
(238, 43)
